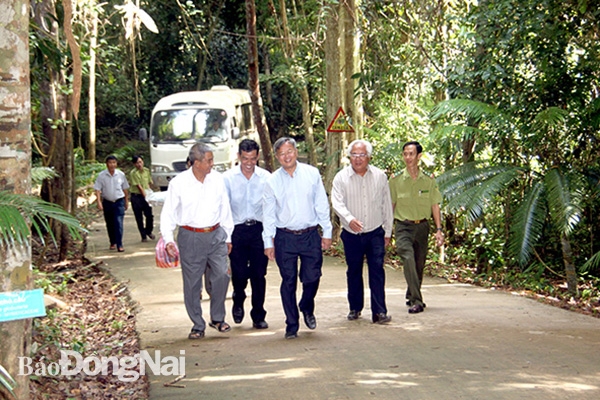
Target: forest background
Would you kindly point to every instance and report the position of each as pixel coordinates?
(504, 95)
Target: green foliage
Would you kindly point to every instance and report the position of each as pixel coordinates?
(17, 211)
(7, 381)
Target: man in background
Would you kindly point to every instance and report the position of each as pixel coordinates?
(140, 180)
(112, 194)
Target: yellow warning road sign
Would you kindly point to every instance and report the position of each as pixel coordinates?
(340, 123)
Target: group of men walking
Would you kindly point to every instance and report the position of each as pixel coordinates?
(255, 216)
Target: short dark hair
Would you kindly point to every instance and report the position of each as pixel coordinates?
(198, 151)
(111, 157)
(248, 145)
(414, 143)
(135, 158)
(283, 140)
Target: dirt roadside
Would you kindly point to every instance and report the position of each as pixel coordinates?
(470, 343)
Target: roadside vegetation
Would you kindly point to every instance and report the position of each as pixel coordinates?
(503, 95)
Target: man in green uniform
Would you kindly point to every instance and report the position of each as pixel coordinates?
(140, 180)
(415, 198)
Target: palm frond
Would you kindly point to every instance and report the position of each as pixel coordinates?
(471, 109)
(592, 264)
(17, 211)
(7, 381)
(564, 199)
(475, 199)
(39, 174)
(456, 132)
(528, 223)
(551, 117)
(456, 181)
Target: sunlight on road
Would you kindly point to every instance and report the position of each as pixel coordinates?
(284, 374)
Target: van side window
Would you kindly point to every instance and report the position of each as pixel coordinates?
(246, 123)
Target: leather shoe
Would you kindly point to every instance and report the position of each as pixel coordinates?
(408, 303)
(353, 314)
(381, 318)
(260, 325)
(310, 320)
(151, 236)
(291, 335)
(417, 308)
(238, 314)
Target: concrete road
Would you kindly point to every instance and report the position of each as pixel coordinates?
(470, 343)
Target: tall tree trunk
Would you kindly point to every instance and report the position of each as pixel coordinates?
(353, 98)
(15, 166)
(253, 83)
(92, 89)
(334, 55)
(57, 116)
(570, 270)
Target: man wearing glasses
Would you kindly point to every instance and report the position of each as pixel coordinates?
(294, 204)
(361, 198)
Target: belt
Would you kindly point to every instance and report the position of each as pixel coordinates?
(299, 232)
(249, 222)
(113, 201)
(410, 221)
(201, 230)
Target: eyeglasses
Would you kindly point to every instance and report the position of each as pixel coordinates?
(358, 155)
(287, 153)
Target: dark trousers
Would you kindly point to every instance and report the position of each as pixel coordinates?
(289, 248)
(142, 209)
(248, 262)
(411, 245)
(356, 247)
(113, 216)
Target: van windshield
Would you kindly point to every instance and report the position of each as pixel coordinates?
(175, 126)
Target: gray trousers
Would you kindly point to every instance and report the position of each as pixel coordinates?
(411, 245)
(199, 251)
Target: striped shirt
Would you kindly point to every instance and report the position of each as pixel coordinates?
(364, 198)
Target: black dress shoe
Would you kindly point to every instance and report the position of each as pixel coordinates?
(238, 314)
(310, 320)
(381, 318)
(353, 314)
(408, 303)
(417, 308)
(151, 236)
(260, 325)
(291, 335)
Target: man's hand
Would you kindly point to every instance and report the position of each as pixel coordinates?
(325, 243)
(270, 253)
(126, 205)
(170, 247)
(229, 247)
(439, 238)
(386, 241)
(356, 226)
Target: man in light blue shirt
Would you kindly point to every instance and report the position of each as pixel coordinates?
(294, 204)
(245, 185)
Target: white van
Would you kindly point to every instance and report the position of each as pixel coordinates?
(220, 117)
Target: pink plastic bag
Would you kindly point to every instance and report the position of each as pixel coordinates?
(163, 260)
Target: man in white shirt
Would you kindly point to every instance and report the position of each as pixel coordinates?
(245, 185)
(294, 205)
(112, 195)
(361, 198)
(198, 204)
